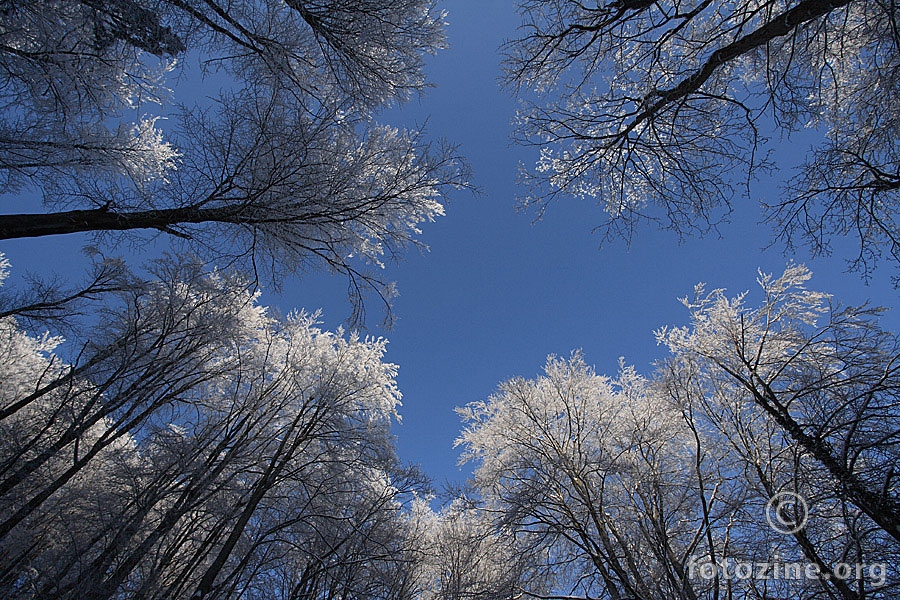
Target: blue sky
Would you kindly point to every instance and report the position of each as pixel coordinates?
(497, 292)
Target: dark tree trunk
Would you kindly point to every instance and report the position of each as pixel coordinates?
(100, 219)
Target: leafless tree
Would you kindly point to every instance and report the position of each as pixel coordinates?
(282, 167)
(661, 111)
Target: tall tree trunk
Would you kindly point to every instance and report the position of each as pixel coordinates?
(279, 460)
(883, 510)
(101, 219)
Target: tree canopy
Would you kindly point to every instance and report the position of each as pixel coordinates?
(662, 112)
(661, 486)
(199, 447)
(284, 165)
(164, 435)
